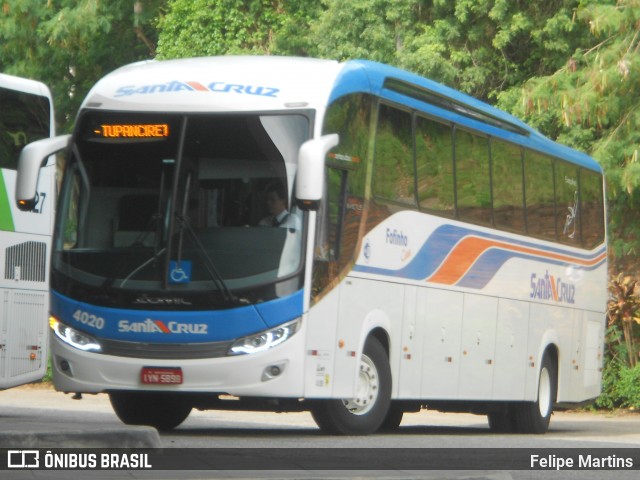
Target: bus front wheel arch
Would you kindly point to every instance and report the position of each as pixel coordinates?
(366, 412)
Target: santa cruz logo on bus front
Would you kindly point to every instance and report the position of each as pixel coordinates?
(158, 326)
(547, 287)
(216, 87)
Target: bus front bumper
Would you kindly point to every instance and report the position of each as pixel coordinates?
(277, 372)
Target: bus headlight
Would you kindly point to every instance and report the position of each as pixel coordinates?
(265, 340)
(73, 337)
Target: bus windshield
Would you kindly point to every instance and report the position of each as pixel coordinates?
(195, 205)
(24, 118)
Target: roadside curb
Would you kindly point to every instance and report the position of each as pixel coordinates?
(131, 437)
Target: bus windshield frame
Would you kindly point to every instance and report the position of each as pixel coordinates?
(177, 206)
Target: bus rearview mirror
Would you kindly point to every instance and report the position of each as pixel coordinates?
(32, 158)
(310, 180)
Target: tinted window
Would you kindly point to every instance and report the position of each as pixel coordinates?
(337, 233)
(567, 204)
(393, 174)
(24, 118)
(508, 200)
(473, 190)
(434, 164)
(539, 196)
(592, 208)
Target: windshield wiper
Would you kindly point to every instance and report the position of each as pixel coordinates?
(142, 266)
(138, 242)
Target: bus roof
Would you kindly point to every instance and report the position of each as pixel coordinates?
(272, 83)
(25, 85)
(449, 104)
(217, 84)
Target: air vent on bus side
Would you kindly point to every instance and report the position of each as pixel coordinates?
(26, 261)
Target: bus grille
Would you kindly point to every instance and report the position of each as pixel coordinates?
(164, 351)
(26, 261)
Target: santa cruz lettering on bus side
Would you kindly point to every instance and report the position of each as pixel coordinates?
(548, 288)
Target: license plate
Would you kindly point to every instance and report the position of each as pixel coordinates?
(161, 375)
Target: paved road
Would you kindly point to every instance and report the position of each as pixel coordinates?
(49, 419)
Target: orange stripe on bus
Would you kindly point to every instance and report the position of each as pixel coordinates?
(470, 249)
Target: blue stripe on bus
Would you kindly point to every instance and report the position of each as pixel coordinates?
(439, 245)
(488, 264)
(157, 326)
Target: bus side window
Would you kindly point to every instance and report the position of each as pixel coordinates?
(393, 168)
(567, 203)
(343, 204)
(434, 166)
(331, 216)
(473, 192)
(539, 192)
(507, 175)
(591, 208)
(70, 235)
(24, 118)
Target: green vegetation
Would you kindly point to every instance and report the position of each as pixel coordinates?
(621, 376)
(69, 44)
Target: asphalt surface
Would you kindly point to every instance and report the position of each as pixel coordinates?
(36, 416)
(19, 432)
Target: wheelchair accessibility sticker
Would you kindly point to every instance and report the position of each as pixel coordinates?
(180, 271)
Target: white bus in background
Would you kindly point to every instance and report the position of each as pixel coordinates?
(26, 115)
(433, 252)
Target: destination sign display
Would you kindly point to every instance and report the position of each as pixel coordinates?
(138, 130)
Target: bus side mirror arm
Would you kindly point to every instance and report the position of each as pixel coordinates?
(310, 180)
(32, 158)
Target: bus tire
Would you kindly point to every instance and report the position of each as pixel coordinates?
(162, 411)
(365, 413)
(534, 417)
(503, 421)
(393, 419)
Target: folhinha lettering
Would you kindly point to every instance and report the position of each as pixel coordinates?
(395, 237)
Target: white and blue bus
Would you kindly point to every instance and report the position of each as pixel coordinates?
(292, 234)
(26, 115)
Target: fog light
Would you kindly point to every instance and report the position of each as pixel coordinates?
(272, 371)
(65, 367)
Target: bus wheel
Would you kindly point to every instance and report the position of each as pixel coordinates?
(503, 421)
(162, 411)
(534, 417)
(393, 419)
(366, 412)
